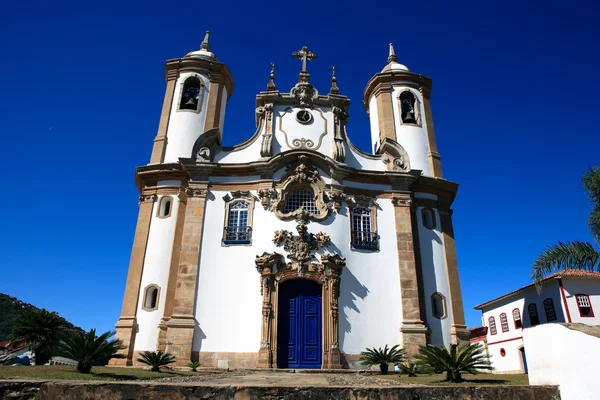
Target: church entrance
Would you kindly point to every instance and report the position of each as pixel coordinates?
(299, 327)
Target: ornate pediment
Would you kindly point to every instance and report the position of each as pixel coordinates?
(301, 247)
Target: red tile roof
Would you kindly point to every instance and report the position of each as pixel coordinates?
(563, 273)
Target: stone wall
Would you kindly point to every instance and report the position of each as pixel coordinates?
(25, 390)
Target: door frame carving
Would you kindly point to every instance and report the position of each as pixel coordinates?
(327, 273)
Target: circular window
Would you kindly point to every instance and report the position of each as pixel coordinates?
(304, 117)
(502, 352)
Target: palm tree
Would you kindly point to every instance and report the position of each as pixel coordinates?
(88, 349)
(156, 359)
(464, 357)
(42, 331)
(383, 357)
(575, 254)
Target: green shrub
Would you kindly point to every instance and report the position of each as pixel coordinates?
(88, 349)
(410, 368)
(383, 357)
(156, 359)
(460, 358)
(194, 365)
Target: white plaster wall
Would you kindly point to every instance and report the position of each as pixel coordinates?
(232, 178)
(574, 286)
(156, 271)
(511, 340)
(374, 122)
(557, 355)
(185, 126)
(285, 119)
(435, 278)
(172, 182)
(228, 306)
(412, 138)
(356, 160)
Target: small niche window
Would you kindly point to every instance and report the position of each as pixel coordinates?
(409, 108)
(549, 309)
(301, 198)
(190, 94)
(502, 352)
(584, 304)
(492, 322)
(533, 314)
(363, 234)
(517, 318)
(238, 230)
(504, 322)
(151, 298)
(164, 207)
(428, 218)
(438, 305)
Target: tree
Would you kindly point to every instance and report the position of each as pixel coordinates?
(88, 349)
(383, 357)
(42, 331)
(156, 359)
(575, 254)
(464, 357)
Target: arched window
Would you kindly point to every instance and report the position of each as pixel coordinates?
(428, 218)
(504, 322)
(409, 108)
(237, 229)
(492, 322)
(438, 305)
(517, 318)
(151, 298)
(190, 94)
(533, 314)
(301, 198)
(363, 235)
(549, 309)
(164, 207)
(584, 305)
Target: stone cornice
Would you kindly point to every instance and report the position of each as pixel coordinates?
(384, 80)
(217, 71)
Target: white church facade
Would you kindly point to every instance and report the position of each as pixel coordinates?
(293, 249)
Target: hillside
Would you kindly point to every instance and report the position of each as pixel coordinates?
(12, 308)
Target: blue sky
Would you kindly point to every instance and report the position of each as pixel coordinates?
(515, 104)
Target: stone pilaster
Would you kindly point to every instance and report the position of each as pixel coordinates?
(180, 327)
(385, 111)
(160, 142)
(413, 330)
(215, 97)
(459, 330)
(435, 162)
(127, 325)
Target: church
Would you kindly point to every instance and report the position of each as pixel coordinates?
(293, 249)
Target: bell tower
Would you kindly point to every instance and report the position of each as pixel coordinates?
(198, 87)
(398, 104)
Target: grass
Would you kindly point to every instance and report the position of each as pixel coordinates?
(470, 380)
(45, 372)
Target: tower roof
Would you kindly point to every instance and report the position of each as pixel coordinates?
(393, 64)
(204, 51)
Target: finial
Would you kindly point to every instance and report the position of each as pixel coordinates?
(305, 55)
(392, 57)
(334, 89)
(205, 44)
(271, 84)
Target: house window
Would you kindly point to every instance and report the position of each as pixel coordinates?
(533, 314)
(363, 235)
(151, 298)
(190, 94)
(164, 207)
(517, 318)
(549, 309)
(584, 304)
(438, 305)
(301, 198)
(504, 322)
(409, 106)
(428, 218)
(237, 231)
(492, 322)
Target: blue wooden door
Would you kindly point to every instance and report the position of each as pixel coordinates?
(299, 325)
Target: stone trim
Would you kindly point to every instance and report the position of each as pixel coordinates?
(417, 106)
(327, 274)
(201, 94)
(234, 197)
(444, 306)
(244, 360)
(146, 289)
(160, 205)
(435, 162)
(160, 142)
(385, 79)
(369, 203)
(433, 218)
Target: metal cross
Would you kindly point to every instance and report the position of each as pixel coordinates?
(304, 55)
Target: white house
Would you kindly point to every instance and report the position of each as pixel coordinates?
(292, 249)
(568, 296)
